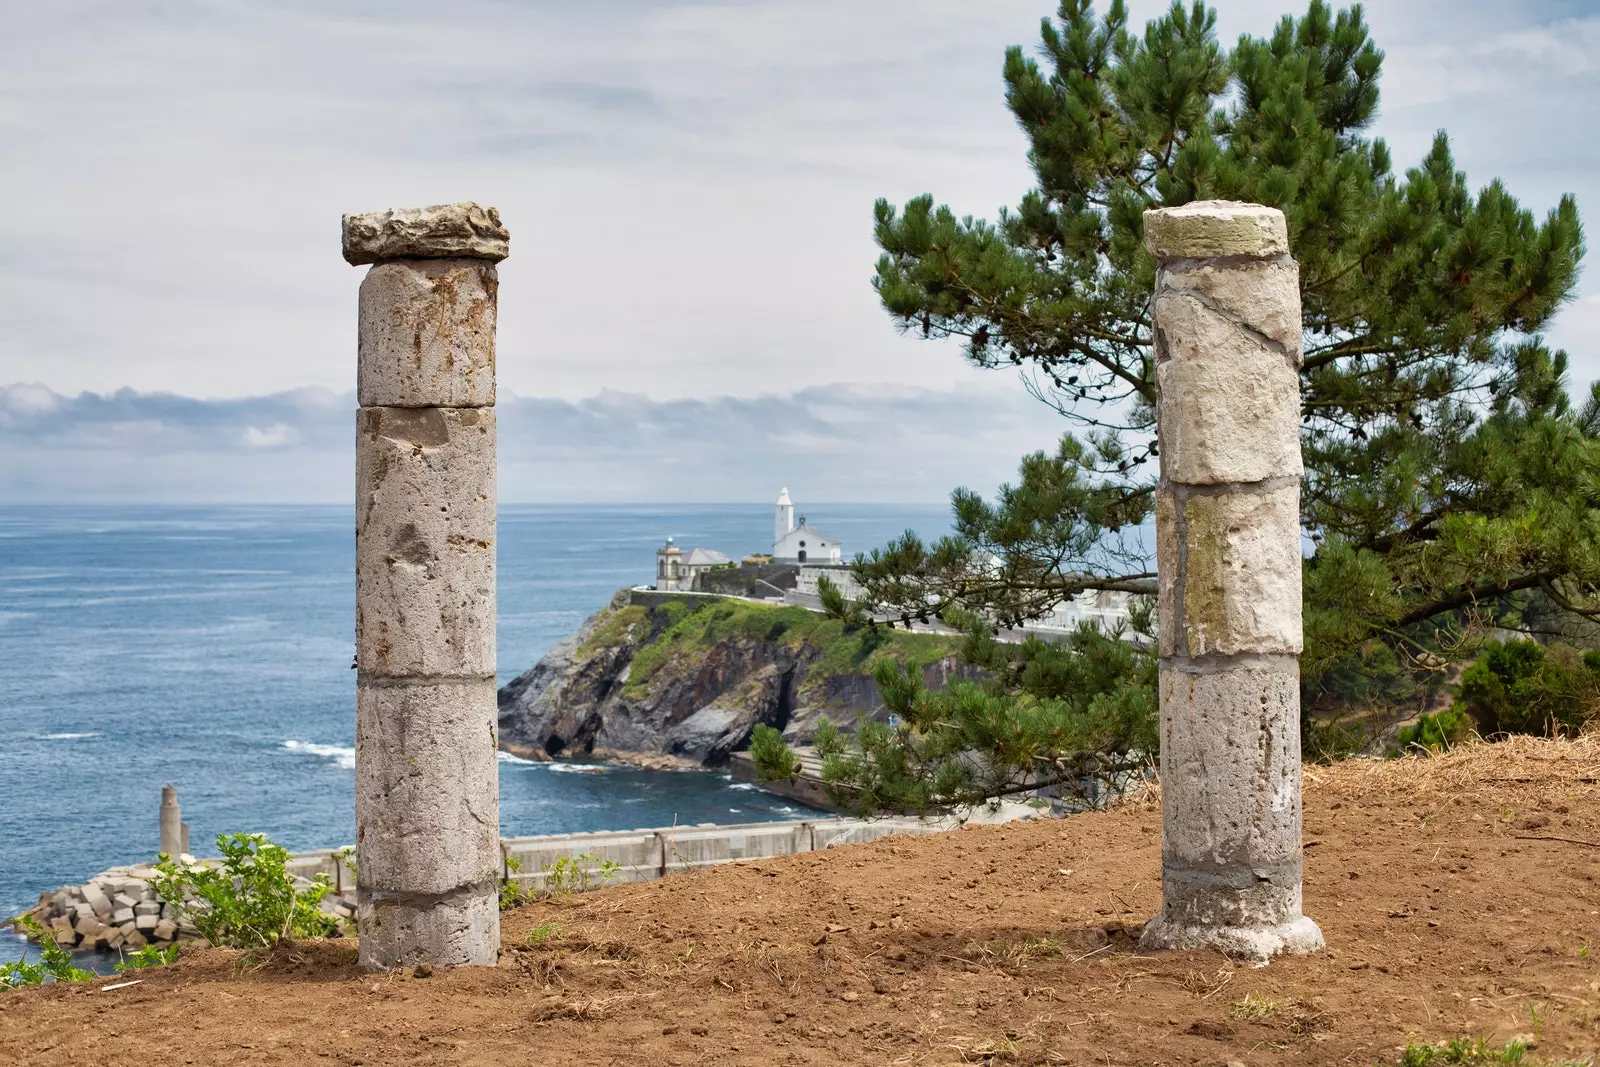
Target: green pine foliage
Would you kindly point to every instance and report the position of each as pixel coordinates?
(248, 899)
(1451, 481)
(1077, 718)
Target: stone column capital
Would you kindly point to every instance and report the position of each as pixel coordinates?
(442, 231)
(1207, 228)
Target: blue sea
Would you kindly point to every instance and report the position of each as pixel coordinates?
(211, 648)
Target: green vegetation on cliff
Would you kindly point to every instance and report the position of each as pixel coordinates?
(684, 630)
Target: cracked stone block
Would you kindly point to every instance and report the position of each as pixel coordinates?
(425, 542)
(426, 336)
(1228, 407)
(427, 786)
(1238, 587)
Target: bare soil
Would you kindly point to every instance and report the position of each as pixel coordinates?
(1458, 896)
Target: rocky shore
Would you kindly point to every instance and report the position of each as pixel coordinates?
(683, 682)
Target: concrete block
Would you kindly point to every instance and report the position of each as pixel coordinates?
(147, 907)
(1215, 228)
(425, 542)
(145, 923)
(122, 917)
(449, 932)
(165, 930)
(96, 899)
(67, 937)
(427, 789)
(426, 336)
(1229, 408)
(438, 231)
(135, 940)
(1241, 573)
(124, 899)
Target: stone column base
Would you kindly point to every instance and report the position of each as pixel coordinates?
(456, 930)
(1257, 943)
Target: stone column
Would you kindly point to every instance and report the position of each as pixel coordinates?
(1227, 349)
(172, 842)
(427, 794)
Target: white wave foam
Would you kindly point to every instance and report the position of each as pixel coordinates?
(741, 785)
(506, 757)
(65, 737)
(578, 768)
(339, 755)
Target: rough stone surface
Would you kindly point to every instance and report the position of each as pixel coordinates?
(1240, 567)
(436, 232)
(1260, 295)
(1229, 407)
(426, 335)
(426, 785)
(451, 932)
(1230, 798)
(1207, 228)
(425, 550)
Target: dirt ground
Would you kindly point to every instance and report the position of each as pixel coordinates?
(1457, 894)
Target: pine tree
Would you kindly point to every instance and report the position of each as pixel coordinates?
(1448, 477)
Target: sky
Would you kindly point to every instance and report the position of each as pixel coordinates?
(689, 189)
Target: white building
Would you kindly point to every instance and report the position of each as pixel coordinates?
(794, 542)
(669, 568)
(676, 572)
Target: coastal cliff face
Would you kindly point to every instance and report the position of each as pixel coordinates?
(690, 677)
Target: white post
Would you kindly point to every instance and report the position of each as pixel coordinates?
(427, 794)
(1227, 347)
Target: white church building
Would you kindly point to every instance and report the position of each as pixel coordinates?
(798, 542)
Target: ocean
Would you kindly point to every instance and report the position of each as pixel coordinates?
(210, 647)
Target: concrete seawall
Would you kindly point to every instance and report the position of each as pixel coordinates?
(527, 862)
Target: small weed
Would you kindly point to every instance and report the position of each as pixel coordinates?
(1468, 1052)
(1253, 1006)
(542, 933)
(511, 892)
(148, 956)
(55, 962)
(579, 874)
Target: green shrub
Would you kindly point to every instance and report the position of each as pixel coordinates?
(1523, 687)
(249, 900)
(1438, 730)
(55, 963)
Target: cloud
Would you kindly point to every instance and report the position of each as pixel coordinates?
(844, 442)
(688, 183)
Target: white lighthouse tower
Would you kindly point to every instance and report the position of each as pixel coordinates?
(783, 517)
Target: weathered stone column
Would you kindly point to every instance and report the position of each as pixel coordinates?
(1227, 346)
(427, 795)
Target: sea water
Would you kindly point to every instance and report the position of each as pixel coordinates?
(212, 647)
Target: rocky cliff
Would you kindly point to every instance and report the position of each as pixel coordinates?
(690, 677)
